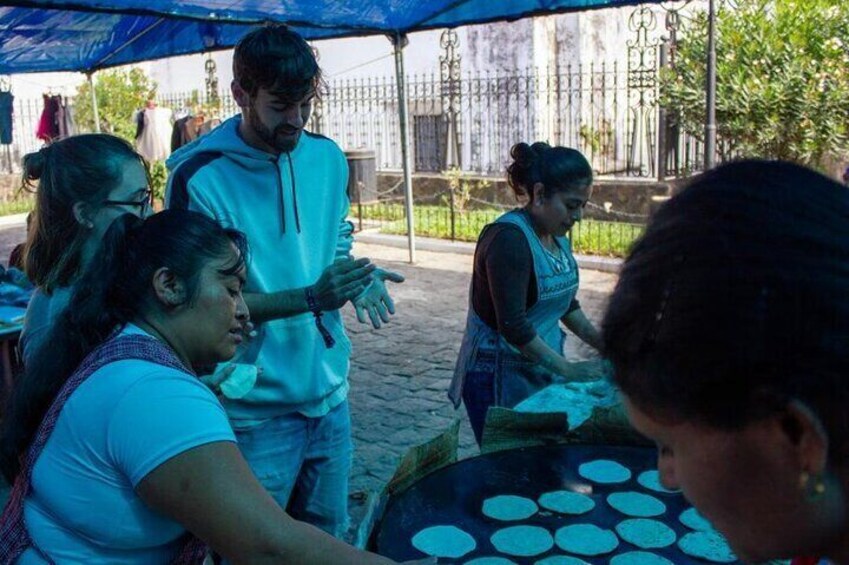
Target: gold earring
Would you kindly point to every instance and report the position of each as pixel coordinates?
(814, 490)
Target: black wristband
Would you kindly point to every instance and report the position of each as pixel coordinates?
(312, 304)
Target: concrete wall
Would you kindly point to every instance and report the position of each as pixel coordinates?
(628, 197)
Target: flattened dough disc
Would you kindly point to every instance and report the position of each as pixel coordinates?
(646, 534)
(651, 481)
(710, 546)
(604, 471)
(522, 541)
(586, 539)
(636, 504)
(640, 558)
(508, 507)
(566, 502)
(444, 541)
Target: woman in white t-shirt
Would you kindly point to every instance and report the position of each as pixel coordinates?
(117, 452)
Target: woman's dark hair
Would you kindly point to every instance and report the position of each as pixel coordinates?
(557, 168)
(80, 168)
(278, 59)
(113, 291)
(736, 300)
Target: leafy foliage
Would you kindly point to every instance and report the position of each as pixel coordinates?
(782, 79)
(463, 188)
(158, 179)
(120, 93)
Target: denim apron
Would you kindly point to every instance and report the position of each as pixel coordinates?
(483, 350)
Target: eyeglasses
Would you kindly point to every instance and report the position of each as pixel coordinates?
(143, 205)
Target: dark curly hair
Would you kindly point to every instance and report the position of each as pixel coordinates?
(736, 300)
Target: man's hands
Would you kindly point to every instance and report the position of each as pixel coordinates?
(375, 300)
(361, 282)
(342, 281)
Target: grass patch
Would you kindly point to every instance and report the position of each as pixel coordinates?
(17, 206)
(591, 237)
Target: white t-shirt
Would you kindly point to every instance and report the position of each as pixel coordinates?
(124, 421)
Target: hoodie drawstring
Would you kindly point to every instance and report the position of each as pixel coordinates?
(280, 196)
(294, 193)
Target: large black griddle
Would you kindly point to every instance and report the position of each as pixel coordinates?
(454, 495)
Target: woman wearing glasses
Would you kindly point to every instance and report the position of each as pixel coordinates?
(82, 184)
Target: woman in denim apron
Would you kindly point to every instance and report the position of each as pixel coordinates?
(524, 284)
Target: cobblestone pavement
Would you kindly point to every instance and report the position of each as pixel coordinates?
(400, 373)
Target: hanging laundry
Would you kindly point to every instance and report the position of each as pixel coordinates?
(186, 130)
(191, 127)
(6, 109)
(65, 118)
(209, 125)
(153, 132)
(48, 125)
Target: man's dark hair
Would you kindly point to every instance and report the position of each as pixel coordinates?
(278, 59)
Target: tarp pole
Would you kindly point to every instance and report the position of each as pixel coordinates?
(399, 41)
(93, 102)
(710, 118)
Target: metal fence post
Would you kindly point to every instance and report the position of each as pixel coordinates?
(399, 41)
(710, 120)
(94, 111)
(451, 205)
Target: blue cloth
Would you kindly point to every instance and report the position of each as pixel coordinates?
(6, 108)
(304, 463)
(483, 350)
(42, 312)
(293, 209)
(124, 421)
(478, 396)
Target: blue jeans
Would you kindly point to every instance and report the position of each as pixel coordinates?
(304, 464)
(478, 396)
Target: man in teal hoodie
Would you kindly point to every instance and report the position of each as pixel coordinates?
(285, 187)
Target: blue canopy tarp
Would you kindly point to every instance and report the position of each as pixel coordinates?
(87, 35)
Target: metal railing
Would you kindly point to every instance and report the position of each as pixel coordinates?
(439, 217)
(472, 123)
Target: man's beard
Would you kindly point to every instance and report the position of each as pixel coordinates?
(273, 138)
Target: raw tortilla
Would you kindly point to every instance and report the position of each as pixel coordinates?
(586, 539)
(651, 481)
(604, 472)
(695, 521)
(566, 502)
(636, 504)
(522, 541)
(509, 507)
(710, 546)
(646, 534)
(444, 541)
(490, 561)
(639, 558)
(561, 560)
(240, 382)
(568, 398)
